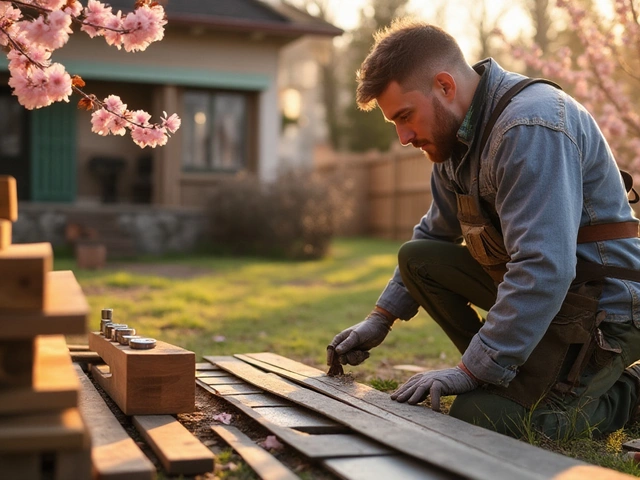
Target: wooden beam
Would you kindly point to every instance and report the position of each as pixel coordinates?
(146, 382)
(262, 462)
(8, 198)
(178, 450)
(24, 268)
(426, 445)
(114, 454)
(55, 383)
(65, 311)
(392, 467)
(522, 455)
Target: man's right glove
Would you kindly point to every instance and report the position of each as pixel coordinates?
(353, 344)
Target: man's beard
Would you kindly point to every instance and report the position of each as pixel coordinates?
(445, 133)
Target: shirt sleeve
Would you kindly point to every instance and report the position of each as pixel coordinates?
(440, 223)
(535, 171)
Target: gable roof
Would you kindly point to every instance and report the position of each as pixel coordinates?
(240, 15)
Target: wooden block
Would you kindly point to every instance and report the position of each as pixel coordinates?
(178, 450)
(65, 311)
(55, 383)
(262, 462)
(300, 419)
(6, 228)
(16, 364)
(592, 472)
(146, 382)
(22, 283)
(8, 198)
(114, 454)
(43, 431)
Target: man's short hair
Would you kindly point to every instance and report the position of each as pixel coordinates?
(411, 52)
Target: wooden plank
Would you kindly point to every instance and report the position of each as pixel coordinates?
(55, 382)
(311, 446)
(41, 431)
(300, 419)
(263, 400)
(262, 462)
(226, 390)
(115, 456)
(65, 311)
(520, 454)
(16, 363)
(6, 228)
(146, 382)
(222, 380)
(633, 445)
(8, 198)
(392, 466)
(210, 373)
(24, 268)
(420, 443)
(178, 450)
(206, 366)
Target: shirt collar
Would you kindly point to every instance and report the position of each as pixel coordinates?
(467, 130)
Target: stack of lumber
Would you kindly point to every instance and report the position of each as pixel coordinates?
(42, 434)
(359, 433)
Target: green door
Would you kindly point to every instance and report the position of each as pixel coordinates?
(53, 153)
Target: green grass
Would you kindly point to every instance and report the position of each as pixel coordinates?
(217, 305)
(242, 305)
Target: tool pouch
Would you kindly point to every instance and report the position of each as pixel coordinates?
(563, 353)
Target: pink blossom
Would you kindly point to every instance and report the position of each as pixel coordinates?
(96, 13)
(100, 120)
(223, 418)
(140, 117)
(113, 34)
(144, 25)
(115, 105)
(172, 123)
(271, 443)
(58, 83)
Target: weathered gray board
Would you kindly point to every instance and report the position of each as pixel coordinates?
(262, 462)
(311, 445)
(507, 449)
(431, 447)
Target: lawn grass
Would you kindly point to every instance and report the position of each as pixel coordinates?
(216, 305)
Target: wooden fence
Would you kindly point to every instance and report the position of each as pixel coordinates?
(390, 190)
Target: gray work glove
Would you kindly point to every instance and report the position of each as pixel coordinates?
(450, 381)
(353, 344)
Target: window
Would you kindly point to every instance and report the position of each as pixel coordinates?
(215, 131)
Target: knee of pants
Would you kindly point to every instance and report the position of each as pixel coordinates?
(489, 411)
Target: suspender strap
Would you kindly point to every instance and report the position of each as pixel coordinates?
(504, 101)
(607, 231)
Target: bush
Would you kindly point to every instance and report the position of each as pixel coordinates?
(294, 217)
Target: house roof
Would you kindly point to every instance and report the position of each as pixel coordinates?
(240, 15)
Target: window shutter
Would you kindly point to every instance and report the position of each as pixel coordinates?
(53, 153)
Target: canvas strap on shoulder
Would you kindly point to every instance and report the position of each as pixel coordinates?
(504, 101)
(588, 233)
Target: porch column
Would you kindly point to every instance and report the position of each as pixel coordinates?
(167, 159)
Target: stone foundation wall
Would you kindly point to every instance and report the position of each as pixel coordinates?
(147, 229)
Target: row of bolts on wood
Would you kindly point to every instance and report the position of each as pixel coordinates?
(122, 333)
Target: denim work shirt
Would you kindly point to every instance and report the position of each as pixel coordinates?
(546, 171)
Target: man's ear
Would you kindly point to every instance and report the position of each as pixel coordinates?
(444, 83)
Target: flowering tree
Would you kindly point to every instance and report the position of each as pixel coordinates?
(30, 30)
(604, 75)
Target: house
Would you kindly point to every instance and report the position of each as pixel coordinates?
(217, 67)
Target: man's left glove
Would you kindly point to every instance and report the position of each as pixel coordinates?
(450, 381)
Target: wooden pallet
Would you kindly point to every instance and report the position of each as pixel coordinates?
(145, 382)
(404, 441)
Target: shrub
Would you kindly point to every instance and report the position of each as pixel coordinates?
(293, 217)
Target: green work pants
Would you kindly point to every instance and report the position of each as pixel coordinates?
(446, 281)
